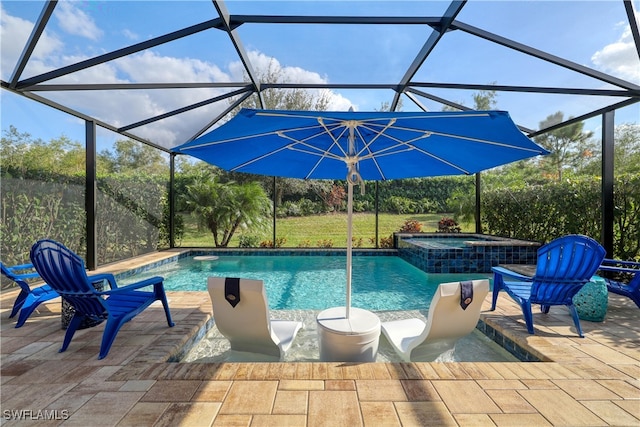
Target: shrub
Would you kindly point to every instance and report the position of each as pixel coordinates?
(248, 241)
(436, 189)
(280, 241)
(304, 244)
(411, 226)
(573, 206)
(361, 206)
(309, 207)
(425, 205)
(178, 226)
(386, 242)
(302, 207)
(326, 243)
(399, 205)
(448, 225)
(288, 208)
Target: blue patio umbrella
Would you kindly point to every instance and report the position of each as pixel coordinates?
(362, 146)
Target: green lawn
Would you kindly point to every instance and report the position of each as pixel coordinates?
(316, 230)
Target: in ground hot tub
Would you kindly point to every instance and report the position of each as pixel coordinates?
(463, 253)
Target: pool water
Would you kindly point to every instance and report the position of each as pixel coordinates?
(441, 242)
(315, 282)
(215, 348)
(299, 287)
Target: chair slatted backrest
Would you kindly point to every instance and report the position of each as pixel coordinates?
(65, 272)
(564, 266)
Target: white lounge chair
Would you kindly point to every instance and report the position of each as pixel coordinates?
(415, 340)
(247, 325)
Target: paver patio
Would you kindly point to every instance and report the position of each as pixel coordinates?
(593, 381)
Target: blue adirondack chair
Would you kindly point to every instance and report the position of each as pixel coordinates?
(630, 290)
(29, 298)
(564, 266)
(65, 272)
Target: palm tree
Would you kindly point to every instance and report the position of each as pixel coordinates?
(223, 208)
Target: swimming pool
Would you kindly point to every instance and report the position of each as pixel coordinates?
(300, 282)
(300, 286)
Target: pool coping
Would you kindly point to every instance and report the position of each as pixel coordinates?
(484, 239)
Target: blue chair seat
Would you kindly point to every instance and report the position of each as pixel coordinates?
(518, 289)
(630, 290)
(65, 272)
(29, 298)
(564, 266)
(130, 302)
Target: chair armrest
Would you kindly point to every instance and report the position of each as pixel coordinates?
(27, 276)
(618, 269)
(21, 267)
(31, 275)
(102, 277)
(625, 264)
(505, 272)
(152, 281)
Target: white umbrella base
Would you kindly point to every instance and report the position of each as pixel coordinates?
(353, 339)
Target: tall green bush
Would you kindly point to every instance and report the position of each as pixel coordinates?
(132, 215)
(545, 212)
(33, 210)
(437, 190)
(627, 216)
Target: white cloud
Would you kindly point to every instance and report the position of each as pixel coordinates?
(130, 35)
(150, 67)
(74, 21)
(620, 58)
(120, 108)
(14, 33)
(288, 74)
(123, 107)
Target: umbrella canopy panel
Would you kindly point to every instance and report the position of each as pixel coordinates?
(384, 145)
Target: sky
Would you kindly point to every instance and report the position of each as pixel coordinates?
(591, 33)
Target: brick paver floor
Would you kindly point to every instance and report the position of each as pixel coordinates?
(594, 381)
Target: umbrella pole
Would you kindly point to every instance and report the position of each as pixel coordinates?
(349, 242)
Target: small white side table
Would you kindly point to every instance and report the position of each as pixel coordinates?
(348, 340)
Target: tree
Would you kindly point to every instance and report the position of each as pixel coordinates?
(627, 148)
(485, 99)
(482, 100)
(130, 156)
(286, 99)
(287, 187)
(334, 198)
(567, 145)
(626, 152)
(224, 207)
(386, 106)
(23, 155)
